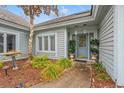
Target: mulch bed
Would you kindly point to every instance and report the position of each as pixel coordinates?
(95, 83)
(25, 74)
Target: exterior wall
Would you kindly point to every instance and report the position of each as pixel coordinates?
(106, 37)
(60, 43)
(21, 40)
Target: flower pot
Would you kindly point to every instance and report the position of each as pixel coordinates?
(71, 56)
(94, 56)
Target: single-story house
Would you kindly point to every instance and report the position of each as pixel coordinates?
(105, 23)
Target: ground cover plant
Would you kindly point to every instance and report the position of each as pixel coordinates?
(50, 70)
(1, 64)
(100, 78)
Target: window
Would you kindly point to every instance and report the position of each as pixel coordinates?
(40, 43)
(52, 43)
(7, 42)
(1, 43)
(10, 42)
(46, 43)
(83, 40)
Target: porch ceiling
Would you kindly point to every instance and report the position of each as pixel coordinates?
(90, 23)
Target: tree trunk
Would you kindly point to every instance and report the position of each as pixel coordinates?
(31, 34)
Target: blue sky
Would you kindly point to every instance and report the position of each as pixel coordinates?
(64, 10)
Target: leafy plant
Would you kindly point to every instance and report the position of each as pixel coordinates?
(65, 63)
(1, 64)
(39, 61)
(94, 50)
(94, 42)
(51, 72)
(100, 72)
(71, 46)
(98, 68)
(103, 76)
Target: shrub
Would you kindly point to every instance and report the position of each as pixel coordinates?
(65, 63)
(39, 61)
(51, 72)
(1, 65)
(98, 68)
(100, 72)
(103, 76)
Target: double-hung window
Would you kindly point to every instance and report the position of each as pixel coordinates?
(46, 43)
(7, 42)
(52, 42)
(1, 43)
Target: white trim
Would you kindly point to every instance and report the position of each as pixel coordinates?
(88, 46)
(115, 43)
(119, 45)
(66, 44)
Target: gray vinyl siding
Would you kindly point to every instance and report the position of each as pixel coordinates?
(60, 43)
(106, 37)
(21, 40)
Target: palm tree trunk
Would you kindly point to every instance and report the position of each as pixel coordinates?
(31, 34)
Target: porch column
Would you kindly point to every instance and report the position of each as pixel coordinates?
(119, 45)
(66, 43)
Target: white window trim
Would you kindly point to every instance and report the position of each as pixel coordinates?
(5, 40)
(49, 47)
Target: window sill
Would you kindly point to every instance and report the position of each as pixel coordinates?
(46, 51)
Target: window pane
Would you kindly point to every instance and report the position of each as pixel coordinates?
(40, 43)
(52, 43)
(83, 40)
(46, 43)
(1, 42)
(10, 42)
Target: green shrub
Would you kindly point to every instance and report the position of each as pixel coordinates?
(98, 67)
(1, 65)
(65, 63)
(100, 72)
(39, 61)
(51, 72)
(103, 76)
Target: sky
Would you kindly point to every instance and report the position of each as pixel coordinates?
(64, 10)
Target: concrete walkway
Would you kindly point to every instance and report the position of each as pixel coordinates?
(77, 77)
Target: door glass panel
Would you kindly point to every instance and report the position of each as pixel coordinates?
(1, 42)
(10, 42)
(82, 40)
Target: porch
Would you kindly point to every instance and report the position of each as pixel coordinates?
(82, 34)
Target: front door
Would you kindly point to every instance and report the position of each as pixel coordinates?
(82, 46)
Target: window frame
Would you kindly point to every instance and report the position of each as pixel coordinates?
(5, 40)
(49, 41)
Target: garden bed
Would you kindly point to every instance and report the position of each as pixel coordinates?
(101, 81)
(28, 74)
(25, 74)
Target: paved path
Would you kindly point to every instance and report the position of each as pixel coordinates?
(77, 77)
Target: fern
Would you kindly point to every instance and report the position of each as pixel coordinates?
(39, 61)
(1, 65)
(65, 63)
(51, 72)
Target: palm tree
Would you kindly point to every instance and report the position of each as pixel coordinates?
(32, 11)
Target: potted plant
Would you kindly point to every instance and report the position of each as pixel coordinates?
(94, 49)
(71, 49)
